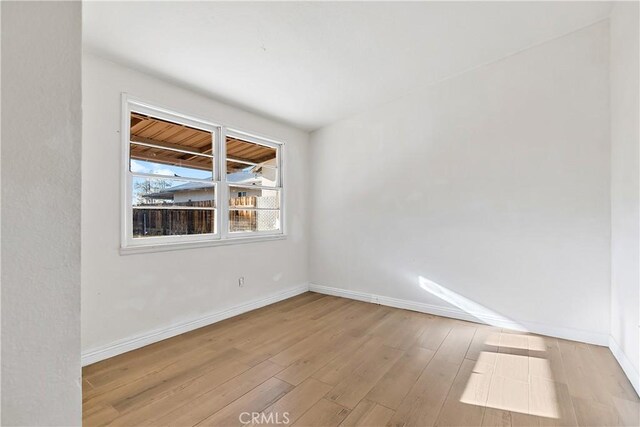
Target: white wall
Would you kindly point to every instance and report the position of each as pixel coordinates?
(0, 217)
(493, 184)
(126, 296)
(625, 189)
(41, 130)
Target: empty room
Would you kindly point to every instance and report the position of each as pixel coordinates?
(320, 213)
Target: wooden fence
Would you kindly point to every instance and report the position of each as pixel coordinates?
(167, 222)
(241, 220)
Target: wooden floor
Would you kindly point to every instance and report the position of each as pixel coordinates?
(322, 360)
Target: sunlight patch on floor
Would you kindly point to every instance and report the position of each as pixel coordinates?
(502, 381)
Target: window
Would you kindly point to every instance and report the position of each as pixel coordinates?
(189, 180)
(252, 173)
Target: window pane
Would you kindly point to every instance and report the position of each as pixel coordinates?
(250, 152)
(169, 163)
(150, 130)
(161, 147)
(255, 198)
(171, 222)
(249, 163)
(167, 192)
(239, 173)
(253, 220)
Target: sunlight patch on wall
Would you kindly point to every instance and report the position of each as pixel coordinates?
(470, 307)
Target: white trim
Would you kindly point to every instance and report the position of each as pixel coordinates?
(171, 178)
(177, 150)
(153, 109)
(245, 162)
(135, 342)
(243, 208)
(173, 208)
(130, 104)
(126, 178)
(626, 365)
(236, 133)
(223, 191)
(124, 345)
(455, 313)
(174, 246)
(252, 187)
(221, 235)
(258, 140)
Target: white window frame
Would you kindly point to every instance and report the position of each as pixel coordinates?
(222, 236)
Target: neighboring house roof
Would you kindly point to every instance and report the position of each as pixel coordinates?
(169, 192)
(244, 178)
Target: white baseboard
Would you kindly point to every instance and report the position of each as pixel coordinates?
(535, 327)
(138, 341)
(626, 365)
(132, 343)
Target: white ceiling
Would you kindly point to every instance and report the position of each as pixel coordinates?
(312, 63)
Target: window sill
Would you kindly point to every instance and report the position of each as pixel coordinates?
(164, 247)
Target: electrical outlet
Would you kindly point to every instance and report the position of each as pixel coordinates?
(241, 281)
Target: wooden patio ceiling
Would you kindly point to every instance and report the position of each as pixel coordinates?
(191, 142)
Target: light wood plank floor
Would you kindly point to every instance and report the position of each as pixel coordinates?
(330, 361)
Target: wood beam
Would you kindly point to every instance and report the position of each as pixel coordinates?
(173, 161)
(169, 145)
